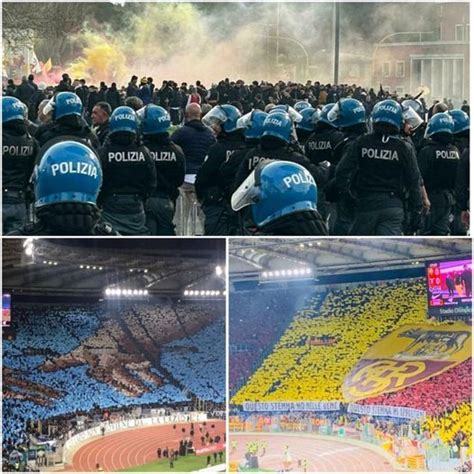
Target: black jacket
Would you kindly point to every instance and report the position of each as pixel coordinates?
(438, 164)
(127, 167)
(275, 150)
(67, 126)
(380, 164)
(169, 163)
(195, 139)
(209, 183)
(19, 151)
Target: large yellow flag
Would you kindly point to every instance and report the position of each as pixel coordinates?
(408, 355)
(48, 65)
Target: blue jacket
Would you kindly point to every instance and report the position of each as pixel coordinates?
(145, 94)
(195, 139)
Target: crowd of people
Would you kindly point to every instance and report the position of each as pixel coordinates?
(343, 160)
(355, 318)
(67, 359)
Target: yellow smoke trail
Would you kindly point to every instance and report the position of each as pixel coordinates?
(101, 60)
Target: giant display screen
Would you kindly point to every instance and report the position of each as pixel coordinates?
(449, 286)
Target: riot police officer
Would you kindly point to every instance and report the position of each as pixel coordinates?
(252, 125)
(66, 108)
(129, 174)
(170, 169)
(461, 134)
(438, 161)
(283, 199)
(210, 187)
(319, 148)
(377, 167)
(417, 133)
(461, 129)
(19, 150)
(67, 181)
(349, 116)
(306, 126)
(275, 145)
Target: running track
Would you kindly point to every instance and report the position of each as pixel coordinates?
(134, 447)
(322, 455)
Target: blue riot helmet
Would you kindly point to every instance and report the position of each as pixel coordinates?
(347, 113)
(388, 112)
(275, 189)
(461, 121)
(310, 117)
(123, 119)
(294, 115)
(252, 123)
(153, 119)
(278, 125)
(225, 116)
(441, 122)
(416, 105)
(301, 105)
(68, 172)
(323, 118)
(12, 109)
(64, 104)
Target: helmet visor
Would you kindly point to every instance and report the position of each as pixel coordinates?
(295, 116)
(334, 114)
(245, 121)
(411, 117)
(49, 107)
(246, 194)
(216, 116)
(141, 114)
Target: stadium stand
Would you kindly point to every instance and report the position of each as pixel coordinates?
(67, 359)
(297, 370)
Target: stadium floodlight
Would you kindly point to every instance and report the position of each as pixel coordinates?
(45, 262)
(277, 273)
(81, 266)
(219, 270)
(202, 292)
(208, 292)
(264, 274)
(308, 271)
(94, 268)
(55, 263)
(131, 270)
(318, 244)
(50, 263)
(310, 244)
(301, 245)
(270, 274)
(145, 271)
(218, 293)
(224, 292)
(100, 268)
(185, 292)
(88, 267)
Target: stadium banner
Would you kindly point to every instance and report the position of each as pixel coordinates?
(407, 356)
(291, 406)
(383, 410)
(111, 427)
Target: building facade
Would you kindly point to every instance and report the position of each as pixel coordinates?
(435, 61)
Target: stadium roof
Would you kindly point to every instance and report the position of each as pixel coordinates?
(88, 266)
(338, 255)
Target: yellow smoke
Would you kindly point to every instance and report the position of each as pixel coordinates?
(101, 60)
